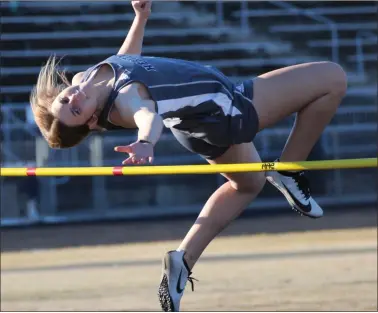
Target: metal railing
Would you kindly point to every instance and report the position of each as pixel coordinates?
(244, 14)
(319, 18)
(360, 60)
(316, 14)
(266, 143)
(99, 207)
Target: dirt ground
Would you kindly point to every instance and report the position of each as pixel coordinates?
(297, 270)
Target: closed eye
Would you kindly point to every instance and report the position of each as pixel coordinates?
(64, 100)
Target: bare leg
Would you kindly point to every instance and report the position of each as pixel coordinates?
(226, 203)
(312, 90)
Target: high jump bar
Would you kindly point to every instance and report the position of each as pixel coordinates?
(190, 169)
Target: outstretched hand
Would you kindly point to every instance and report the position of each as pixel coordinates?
(139, 153)
(142, 8)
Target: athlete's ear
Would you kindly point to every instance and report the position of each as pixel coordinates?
(92, 123)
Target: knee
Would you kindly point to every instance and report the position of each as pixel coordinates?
(337, 79)
(252, 185)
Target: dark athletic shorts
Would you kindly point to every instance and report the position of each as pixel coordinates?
(213, 138)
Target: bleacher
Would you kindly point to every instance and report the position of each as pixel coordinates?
(38, 29)
(87, 32)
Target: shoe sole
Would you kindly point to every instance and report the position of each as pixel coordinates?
(163, 292)
(288, 198)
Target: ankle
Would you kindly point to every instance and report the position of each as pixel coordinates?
(189, 261)
(287, 172)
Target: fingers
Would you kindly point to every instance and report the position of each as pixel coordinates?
(138, 153)
(147, 5)
(136, 160)
(132, 160)
(123, 149)
(128, 161)
(141, 3)
(144, 5)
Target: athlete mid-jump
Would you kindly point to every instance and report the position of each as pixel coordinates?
(207, 113)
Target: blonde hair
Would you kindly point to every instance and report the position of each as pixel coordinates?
(51, 81)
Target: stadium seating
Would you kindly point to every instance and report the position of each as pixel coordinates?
(87, 32)
(38, 29)
(308, 25)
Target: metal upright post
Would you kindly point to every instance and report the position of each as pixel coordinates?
(48, 192)
(338, 182)
(219, 10)
(98, 182)
(244, 24)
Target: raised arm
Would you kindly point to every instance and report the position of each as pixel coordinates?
(134, 40)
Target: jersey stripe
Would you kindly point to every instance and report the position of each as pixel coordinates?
(220, 99)
(166, 91)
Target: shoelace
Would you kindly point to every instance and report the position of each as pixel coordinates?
(190, 279)
(303, 184)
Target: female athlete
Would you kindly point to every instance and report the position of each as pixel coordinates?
(206, 112)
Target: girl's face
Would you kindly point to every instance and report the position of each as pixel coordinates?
(76, 105)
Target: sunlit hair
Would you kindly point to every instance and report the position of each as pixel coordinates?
(51, 81)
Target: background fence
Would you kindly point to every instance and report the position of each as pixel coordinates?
(243, 39)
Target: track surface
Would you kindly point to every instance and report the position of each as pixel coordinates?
(311, 271)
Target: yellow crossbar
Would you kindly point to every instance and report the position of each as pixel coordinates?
(190, 169)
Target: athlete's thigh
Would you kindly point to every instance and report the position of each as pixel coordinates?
(279, 93)
(242, 153)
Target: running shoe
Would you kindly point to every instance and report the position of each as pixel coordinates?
(296, 189)
(175, 274)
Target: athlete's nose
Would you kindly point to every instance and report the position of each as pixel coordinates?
(72, 97)
(76, 96)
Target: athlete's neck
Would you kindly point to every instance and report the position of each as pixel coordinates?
(102, 83)
(103, 89)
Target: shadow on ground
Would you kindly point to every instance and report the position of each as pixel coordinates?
(90, 234)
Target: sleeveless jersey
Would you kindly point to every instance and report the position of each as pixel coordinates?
(184, 92)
